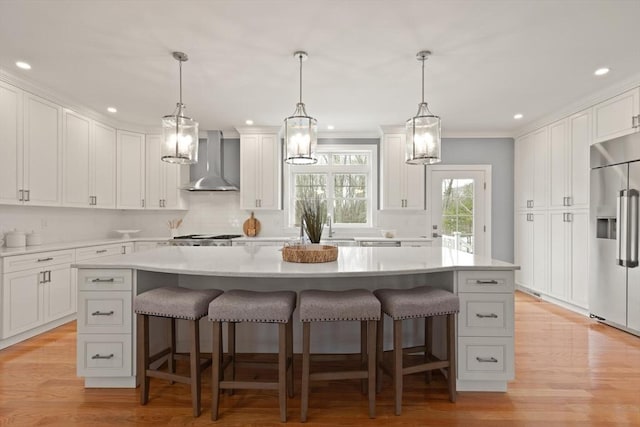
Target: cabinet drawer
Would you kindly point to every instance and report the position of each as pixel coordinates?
(482, 358)
(42, 259)
(93, 252)
(485, 281)
(104, 312)
(104, 279)
(485, 315)
(104, 355)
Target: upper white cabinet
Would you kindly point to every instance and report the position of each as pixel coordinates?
(130, 170)
(163, 179)
(403, 185)
(617, 116)
(10, 143)
(569, 141)
(532, 165)
(89, 159)
(260, 163)
(42, 152)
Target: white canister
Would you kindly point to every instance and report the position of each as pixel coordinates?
(15, 239)
(34, 239)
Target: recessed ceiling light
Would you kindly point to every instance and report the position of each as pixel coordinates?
(518, 116)
(601, 71)
(112, 109)
(249, 122)
(23, 65)
(331, 127)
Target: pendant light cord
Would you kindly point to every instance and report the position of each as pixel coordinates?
(423, 58)
(180, 62)
(300, 58)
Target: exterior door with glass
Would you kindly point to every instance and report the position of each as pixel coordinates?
(458, 204)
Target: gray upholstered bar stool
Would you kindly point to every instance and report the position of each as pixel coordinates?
(172, 303)
(420, 302)
(250, 306)
(330, 306)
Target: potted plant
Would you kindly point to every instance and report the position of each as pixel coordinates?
(313, 212)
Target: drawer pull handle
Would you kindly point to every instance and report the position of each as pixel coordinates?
(98, 356)
(486, 282)
(99, 280)
(101, 251)
(485, 316)
(45, 259)
(102, 313)
(487, 359)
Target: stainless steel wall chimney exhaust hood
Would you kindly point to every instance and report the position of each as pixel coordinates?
(208, 173)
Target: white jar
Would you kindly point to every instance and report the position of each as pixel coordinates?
(15, 239)
(34, 239)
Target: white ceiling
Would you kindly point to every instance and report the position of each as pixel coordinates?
(490, 59)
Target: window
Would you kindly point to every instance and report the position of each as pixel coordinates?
(343, 178)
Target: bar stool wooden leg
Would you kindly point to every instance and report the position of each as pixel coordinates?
(231, 351)
(282, 370)
(143, 357)
(194, 360)
(397, 365)
(372, 365)
(304, 393)
(363, 352)
(215, 370)
(428, 344)
(171, 361)
(379, 352)
(451, 356)
(290, 356)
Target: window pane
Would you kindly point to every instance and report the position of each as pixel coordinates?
(350, 159)
(310, 185)
(350, 186)
(323, 158)
(350, 211)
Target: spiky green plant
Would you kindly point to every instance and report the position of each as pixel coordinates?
(314, 215)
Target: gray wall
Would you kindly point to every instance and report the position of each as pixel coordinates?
(497, 152)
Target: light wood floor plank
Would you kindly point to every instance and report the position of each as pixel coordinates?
(569, 371)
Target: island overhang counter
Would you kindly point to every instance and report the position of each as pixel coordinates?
(485, 325)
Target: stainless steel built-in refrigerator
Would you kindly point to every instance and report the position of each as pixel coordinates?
(614, 288)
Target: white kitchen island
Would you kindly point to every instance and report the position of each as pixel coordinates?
(106, 327)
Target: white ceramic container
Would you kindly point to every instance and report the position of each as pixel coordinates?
(15, 239)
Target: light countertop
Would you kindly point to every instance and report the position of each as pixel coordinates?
(266, 261)
(72, 245)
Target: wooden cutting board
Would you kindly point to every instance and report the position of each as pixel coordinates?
(251, 227)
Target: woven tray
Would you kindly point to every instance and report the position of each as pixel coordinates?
(310, 253)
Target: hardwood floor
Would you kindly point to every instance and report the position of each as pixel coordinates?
(569, 371)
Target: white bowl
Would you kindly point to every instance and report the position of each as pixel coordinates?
(126, 234)
(389, 234)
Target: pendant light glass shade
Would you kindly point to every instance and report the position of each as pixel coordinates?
(179, 132)
(300, 130)
(423, 131)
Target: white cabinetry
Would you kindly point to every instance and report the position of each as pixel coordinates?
(485, 327)
(163, 179)
(531, 250)
(531, 165)
(36, 289)
(104, 325)
(89, 162)
(146, 246)
(10, 143)
(617, 116)
(130, 170)
(569, 161)
(568, 252)
(260, 162)
(403, 185)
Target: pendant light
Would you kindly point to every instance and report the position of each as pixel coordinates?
(423, 130)
(301, 130)
(179, 132)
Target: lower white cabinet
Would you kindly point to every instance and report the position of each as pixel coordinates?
(531, 250)
(145, 246)
(36, 289)
(485, 326)
(105, 346)
(568, 254)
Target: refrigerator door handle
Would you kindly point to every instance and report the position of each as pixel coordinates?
(621, 228)
(633, 228)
